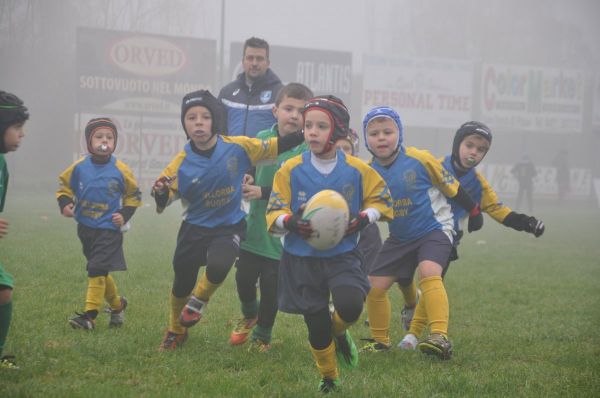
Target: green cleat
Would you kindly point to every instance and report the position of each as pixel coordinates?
(438, 345)
(8, 362)
(374, 346)
(346, 351)
(329, 385)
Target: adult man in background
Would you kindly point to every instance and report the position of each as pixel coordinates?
(249, 99)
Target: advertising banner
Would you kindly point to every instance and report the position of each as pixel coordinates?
(425, 92)
(531, 98)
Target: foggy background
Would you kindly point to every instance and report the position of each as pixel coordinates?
(38, 53)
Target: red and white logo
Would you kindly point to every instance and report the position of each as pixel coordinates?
(147, 56)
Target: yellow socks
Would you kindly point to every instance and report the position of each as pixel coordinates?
(205, 288)
(436, 304)
(95, 293)
(326, 362)
(419, 320)
(380, 313)
(338, 326)
(409, 293)
(111, 295)
(176, 304)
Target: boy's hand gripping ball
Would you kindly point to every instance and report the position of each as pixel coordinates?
(328, 214)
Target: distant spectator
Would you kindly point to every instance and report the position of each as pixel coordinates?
(524, 172)
(250, 98)
(563, 177)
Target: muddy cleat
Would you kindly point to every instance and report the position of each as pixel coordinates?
(257, 345)
(242, 330)
(374, 346)
(82, 321)
(118, 316)
(328, 385)
(192, 312)
(409, 342)
(8, 362)
(438, 345)
(172, 341)
(346, 351)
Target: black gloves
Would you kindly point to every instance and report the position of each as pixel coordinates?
(295, 223)
(357, 223)
(475, 219)
(535, 227)
(466, 202)
(522, 222)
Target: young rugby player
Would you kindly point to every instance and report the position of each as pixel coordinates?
(207, 175)
(421, 232)
(13, 115)
(307, 276)
(260, 252)
(101, 193)
(472, 142)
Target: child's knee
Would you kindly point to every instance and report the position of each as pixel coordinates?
(5, 294)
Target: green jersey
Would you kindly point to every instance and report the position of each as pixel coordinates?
(3, 181)
(258, 240)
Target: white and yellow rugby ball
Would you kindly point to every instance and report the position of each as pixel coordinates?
(328, 214)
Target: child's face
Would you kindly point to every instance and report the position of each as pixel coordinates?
(344, 145)
(289, 115)
(198, 125)
(13, 135)
(103, 141)
(472, 150)
(382, 137)
(317, 128)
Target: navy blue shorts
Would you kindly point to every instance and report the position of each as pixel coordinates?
(369, 244)
(305, 283)
(400, 259)
(103, 249)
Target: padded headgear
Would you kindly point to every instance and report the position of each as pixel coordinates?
(467, 129)
(338, 116)
(206, 99)
(95, 124)
(383, 111)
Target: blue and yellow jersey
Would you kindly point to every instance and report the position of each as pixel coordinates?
(210, 188)
(99, 190)
(298, 180)
(480, 191)
(419, 186)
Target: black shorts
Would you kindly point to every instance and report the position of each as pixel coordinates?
(103, 248)
(305, 283)
(369, 244)
(400, 259)
(193, 243)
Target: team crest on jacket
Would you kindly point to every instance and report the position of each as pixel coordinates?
(348, 192)
(113, 188)
(410, 179)
(265, 96)
(232, 167)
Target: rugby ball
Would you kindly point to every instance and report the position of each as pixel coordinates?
(328, 214)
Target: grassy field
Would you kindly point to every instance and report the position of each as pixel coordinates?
(525, 320)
